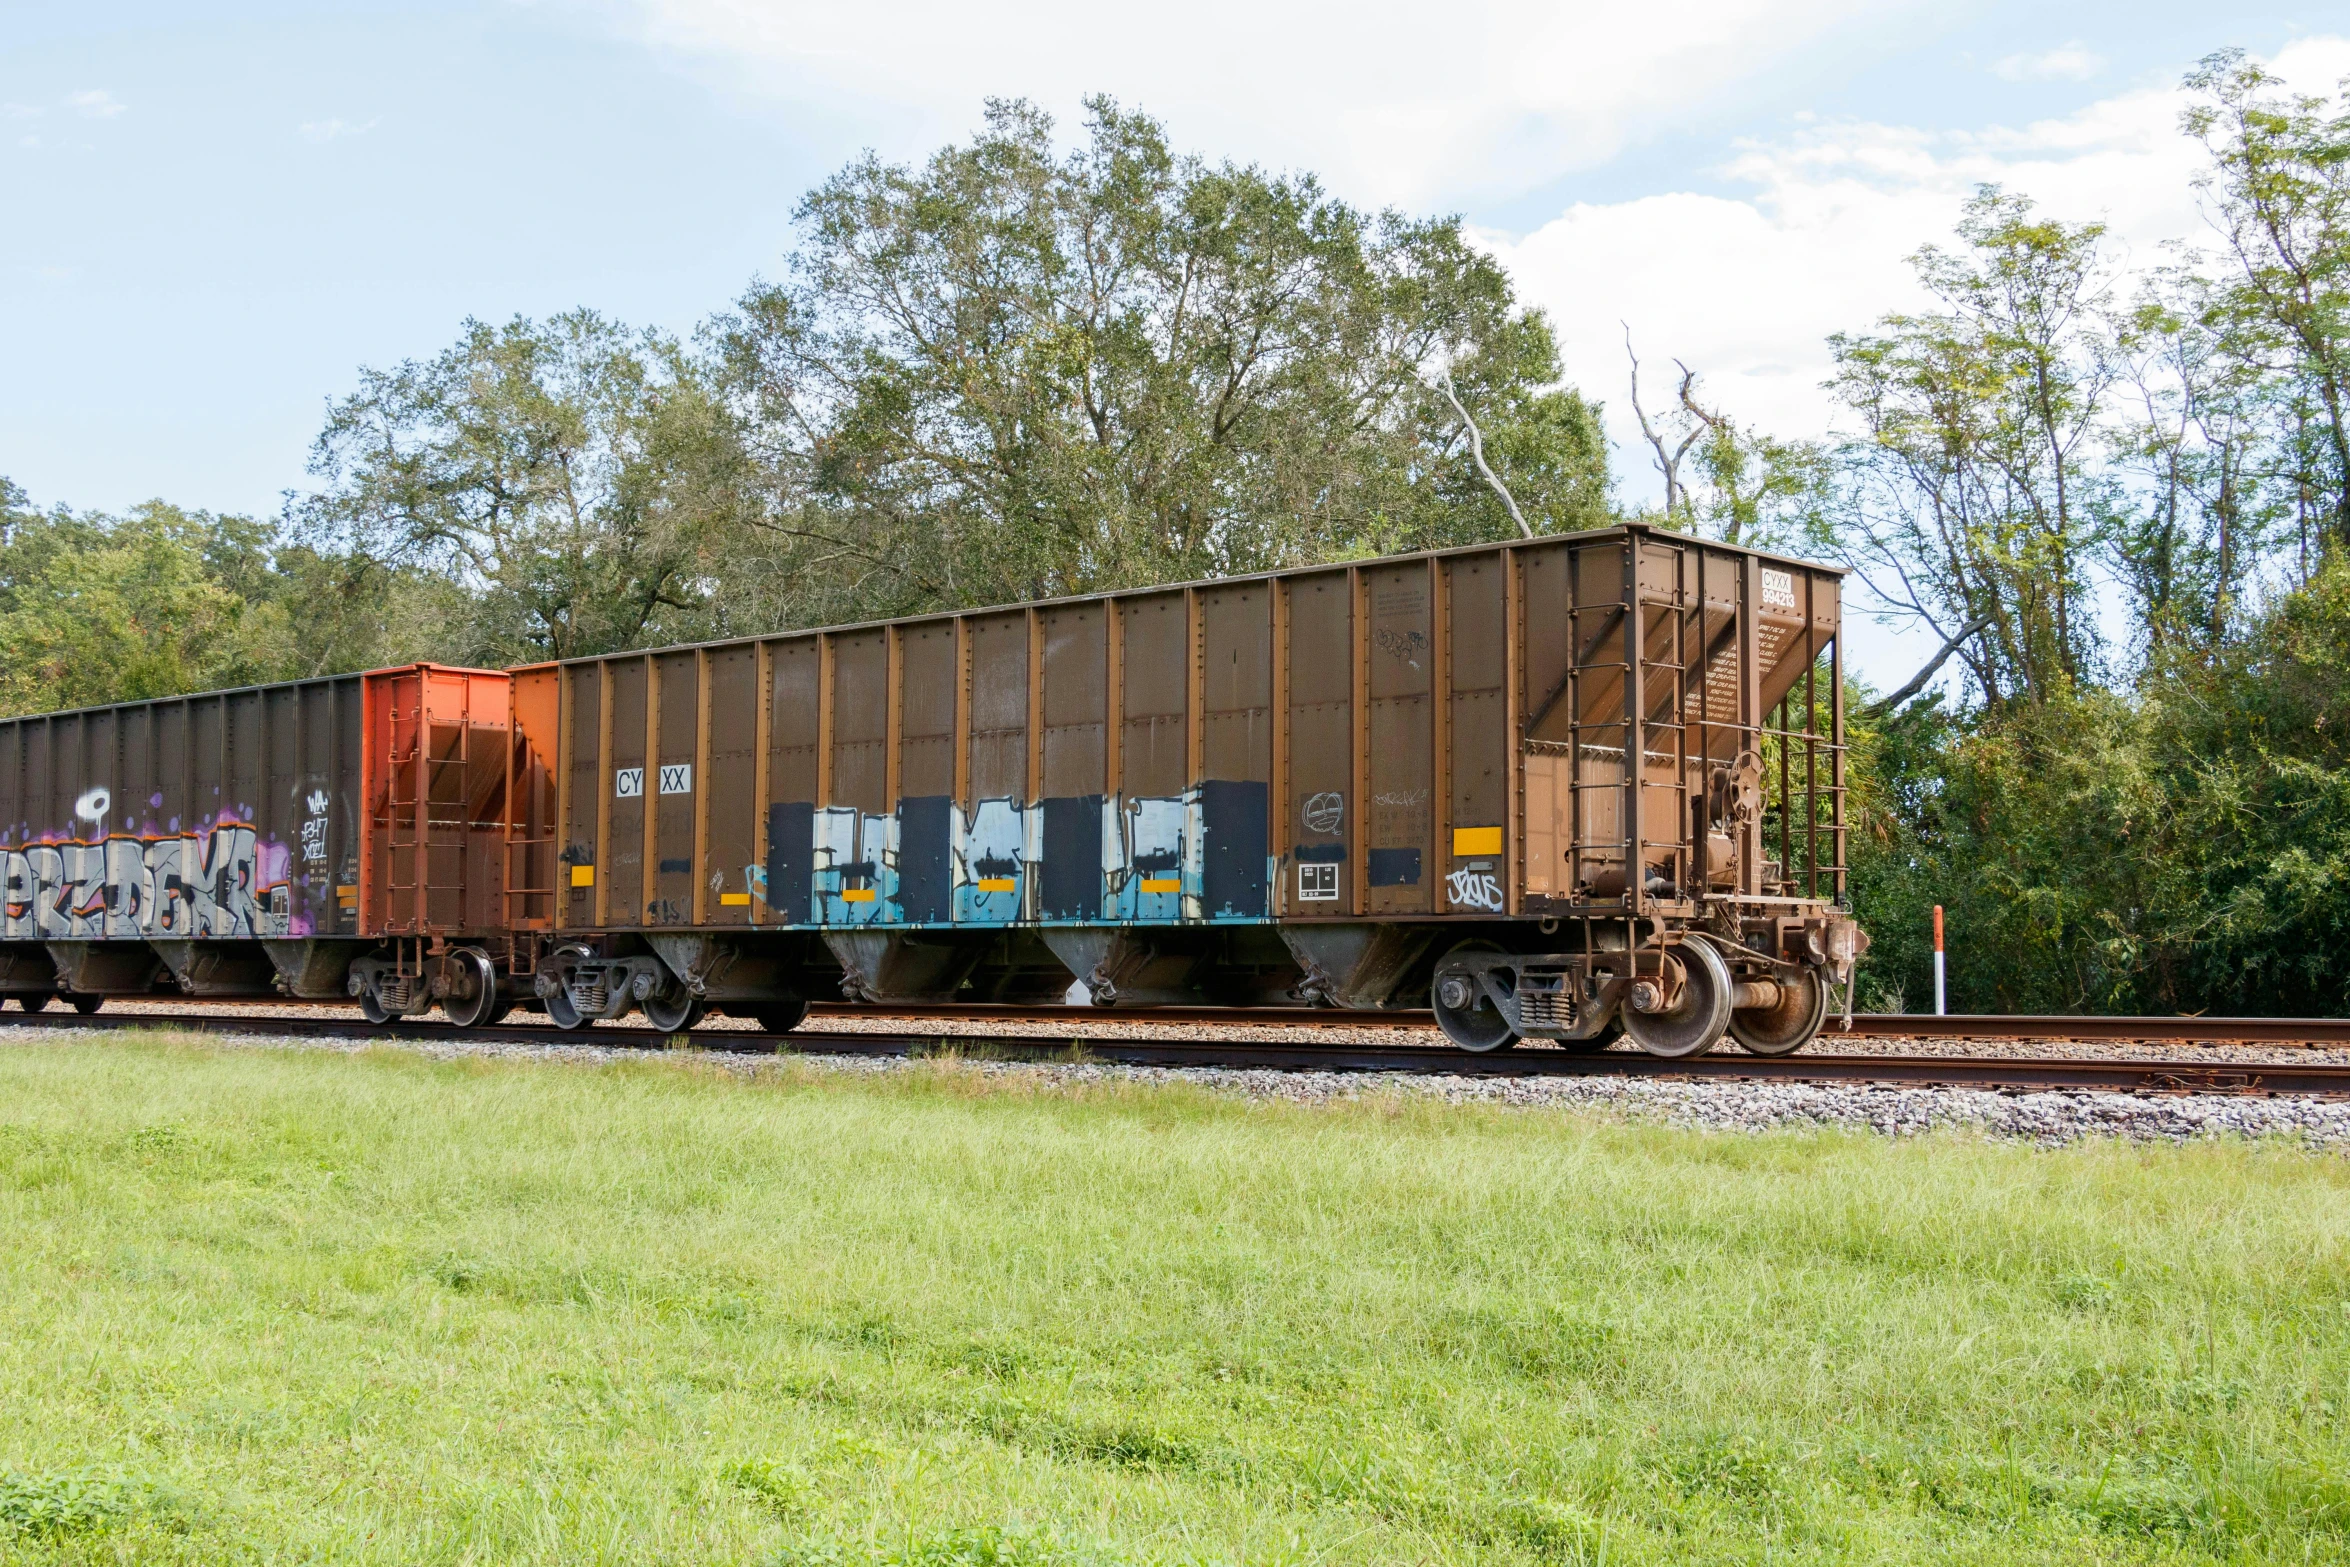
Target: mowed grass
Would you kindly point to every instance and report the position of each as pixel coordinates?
(295, 1307)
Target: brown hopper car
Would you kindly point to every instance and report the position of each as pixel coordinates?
(1392, 783)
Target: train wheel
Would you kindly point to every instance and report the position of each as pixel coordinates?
(1463, 1010)
(35, 1000)
(1696, 1022)
(562, 1013)
(781, 1017)
(1788, 1027)
(673, 1014)
(476, 977)
(87, 1004)
(1596, 1043)
(372, 1009)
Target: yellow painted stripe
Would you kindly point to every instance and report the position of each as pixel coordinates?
(857, 895)
(1162, 884)
(583, 875)
(735, 900)
(1476, 840)
(998, 884)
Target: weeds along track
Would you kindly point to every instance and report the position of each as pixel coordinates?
(1818, 1065)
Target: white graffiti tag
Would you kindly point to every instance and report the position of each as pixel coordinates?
(1322, 813)
(1474, 889)
(314, 829)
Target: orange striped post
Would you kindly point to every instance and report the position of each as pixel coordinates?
(1937, 960)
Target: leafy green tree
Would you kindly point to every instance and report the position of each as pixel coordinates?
(16, 511)
(2028, 828)
(99, 610)
(1971, 494)
(1010, 373)
(1006, 374)
(559, 474)
(2278, 193)
(2245, 869)
(2196, 505)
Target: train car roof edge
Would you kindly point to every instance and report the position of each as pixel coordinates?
(1627, 529)
(267, 685)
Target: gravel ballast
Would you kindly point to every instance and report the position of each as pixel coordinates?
(2049, 1118)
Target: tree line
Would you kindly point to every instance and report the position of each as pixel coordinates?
(2125, 502)
(2120, 499)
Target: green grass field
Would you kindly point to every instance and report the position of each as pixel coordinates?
(294, 1307)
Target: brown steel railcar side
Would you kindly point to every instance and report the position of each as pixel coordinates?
(1405, 745)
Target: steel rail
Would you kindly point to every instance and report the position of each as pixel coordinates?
(2142, 1030)
(2148, 1030)
(2165, 1030)
(1983, 1072)
(1987, 1026)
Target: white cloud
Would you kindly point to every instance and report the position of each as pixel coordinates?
(18, 111)
(2074, 62)
(1391, 101)
(330, 130)
(1746, 288)
(94, 104)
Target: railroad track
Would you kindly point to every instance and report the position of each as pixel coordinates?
(2303, 1031)
(2012, 1075)
(2132, 1030)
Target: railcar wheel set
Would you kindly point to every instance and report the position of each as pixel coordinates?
(1574, 789)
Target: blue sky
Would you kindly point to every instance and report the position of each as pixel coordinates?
(210, 216)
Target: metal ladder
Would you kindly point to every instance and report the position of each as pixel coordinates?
(418, 845)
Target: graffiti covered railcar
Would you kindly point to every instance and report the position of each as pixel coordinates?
(178, 840)
(1557, 789)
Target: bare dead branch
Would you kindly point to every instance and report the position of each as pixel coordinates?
(1668, 459)
(1917, 682)
(1477, 451)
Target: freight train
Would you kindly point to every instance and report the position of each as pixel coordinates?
(1569, 789)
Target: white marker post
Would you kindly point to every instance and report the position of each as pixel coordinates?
(1937, 960)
